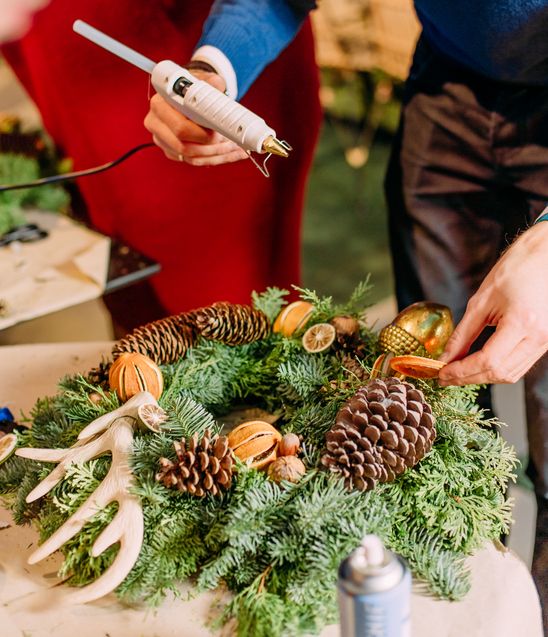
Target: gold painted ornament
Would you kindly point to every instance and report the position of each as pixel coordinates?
(292, 318)
(286, 469)
(132, 373)
(422, 329)
(255, 442)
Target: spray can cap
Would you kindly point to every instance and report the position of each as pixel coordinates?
(370, 554)
(371, 567)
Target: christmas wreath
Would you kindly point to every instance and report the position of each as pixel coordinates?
(275, 444)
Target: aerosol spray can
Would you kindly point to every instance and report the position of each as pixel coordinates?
(374, 592)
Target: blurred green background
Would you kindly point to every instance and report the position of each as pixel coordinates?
(345, 226)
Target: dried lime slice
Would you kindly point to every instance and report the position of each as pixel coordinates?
(152, 416)
(319, 337)
(8, 443)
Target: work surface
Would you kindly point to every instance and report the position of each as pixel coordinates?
(502, 602)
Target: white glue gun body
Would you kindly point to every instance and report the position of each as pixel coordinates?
(208, 107)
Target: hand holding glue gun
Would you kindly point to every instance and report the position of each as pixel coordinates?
(186, 105)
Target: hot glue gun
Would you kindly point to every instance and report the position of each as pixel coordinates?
(198, 100)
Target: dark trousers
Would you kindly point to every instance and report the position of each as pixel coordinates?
(469, 171)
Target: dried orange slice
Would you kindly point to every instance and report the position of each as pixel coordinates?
(416, 366)
(8, 443)
(293, 317)
(319, 337)
(152, 416)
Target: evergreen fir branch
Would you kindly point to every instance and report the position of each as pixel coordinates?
(75, 402)
(270, 302)
(313, 420)
(187, 417)
(324, 307)
(276, 547)
(303, 375)
(357, 303)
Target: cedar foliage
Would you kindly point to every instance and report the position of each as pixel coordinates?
(277, 548)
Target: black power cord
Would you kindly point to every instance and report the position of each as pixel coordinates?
(79, 173)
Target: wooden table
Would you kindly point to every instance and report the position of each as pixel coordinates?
(502, 602)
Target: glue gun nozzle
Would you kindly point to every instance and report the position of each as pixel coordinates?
(276, 147)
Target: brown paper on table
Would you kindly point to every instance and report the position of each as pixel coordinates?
(66, 268)
(501, 603)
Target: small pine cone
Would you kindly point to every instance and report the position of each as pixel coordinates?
(386, 427)
(98, 376)
(353, 369)
(164, 341)
(232, 324)
(202, 466)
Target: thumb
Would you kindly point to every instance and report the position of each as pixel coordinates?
(466, 332)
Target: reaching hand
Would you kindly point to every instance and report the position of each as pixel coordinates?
(514, 299)
(183, 140)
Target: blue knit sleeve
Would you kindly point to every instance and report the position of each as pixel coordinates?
(252, 33)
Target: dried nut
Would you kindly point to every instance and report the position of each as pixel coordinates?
(286, 468)
(95, 398)
(318, 338)
(345, 326)
(152, 416)
(255, 442)
(293, 317)
(290, 445)
(132, 373)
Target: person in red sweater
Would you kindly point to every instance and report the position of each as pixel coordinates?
(218, 232)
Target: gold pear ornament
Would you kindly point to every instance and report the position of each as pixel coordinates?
(422, 329)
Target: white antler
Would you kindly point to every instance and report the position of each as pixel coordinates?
(127, 527)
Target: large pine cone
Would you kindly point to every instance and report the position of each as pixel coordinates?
(385, 428)
(164, 341)
(232, 324)
(202, 466)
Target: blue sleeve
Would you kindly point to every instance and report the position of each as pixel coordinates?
(252, 33)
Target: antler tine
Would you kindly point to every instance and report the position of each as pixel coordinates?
(80, 452)
(127, 526)
(129, 408)
(118, 438)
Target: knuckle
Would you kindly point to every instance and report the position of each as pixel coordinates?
(149, 122)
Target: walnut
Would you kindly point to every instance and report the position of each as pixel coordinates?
(286, 468)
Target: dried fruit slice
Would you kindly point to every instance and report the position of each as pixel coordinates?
(8, 442)
(319, 337)
(417, 366)
(152, 416)
(293, 317)
(255, 442)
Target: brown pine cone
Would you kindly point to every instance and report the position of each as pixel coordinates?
(202, 466)
(164, 341)
(353, 369)
(232, 324)
(385, 428)
(98, 376)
